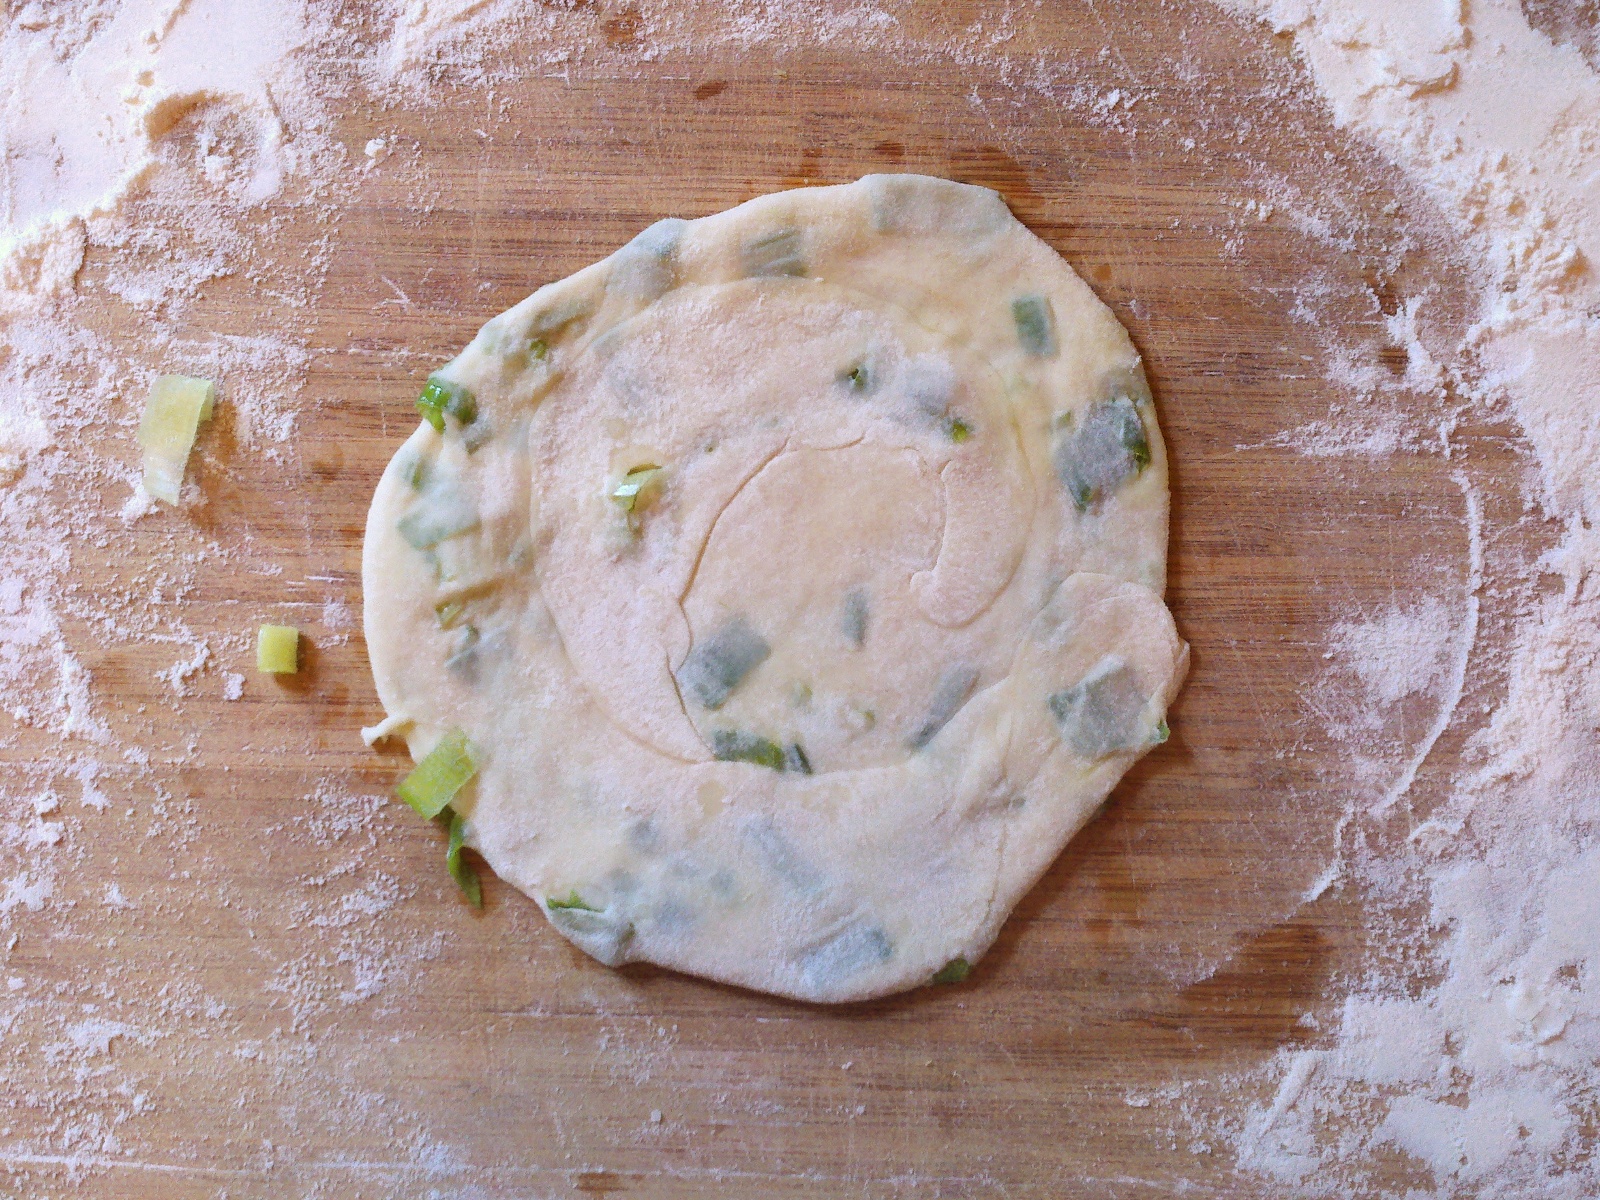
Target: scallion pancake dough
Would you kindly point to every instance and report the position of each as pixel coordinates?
(796, 574)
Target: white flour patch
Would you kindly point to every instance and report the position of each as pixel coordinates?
(157, 176)
(1484, 1081)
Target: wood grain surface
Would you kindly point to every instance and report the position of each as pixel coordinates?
(302, 1045)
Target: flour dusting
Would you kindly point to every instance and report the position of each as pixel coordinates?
(1485, 1080)
(271, 986)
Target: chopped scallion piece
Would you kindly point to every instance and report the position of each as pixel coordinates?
(661, 239)
(953, 971)
(465, 875)
(719, 664)
(735, 745)
(855, 949)
(278, 650)
(795, 760)
(1099, 715)
(853, 619)
(1107, 449)
(448, 611)
(1035, 319)
(1162, 732)
(778, 253)
(413, 468)
(573, 901)
(634, 484)
(958, 430)
(172, 416)
(538, 349)
(860, 378)
(559, 316)
(436, 516)
(443, 772)
(954, 686)
(462, 657)
(442, 397)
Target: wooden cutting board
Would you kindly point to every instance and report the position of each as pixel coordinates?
(325, 1018)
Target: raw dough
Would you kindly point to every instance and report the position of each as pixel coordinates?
(809, 708)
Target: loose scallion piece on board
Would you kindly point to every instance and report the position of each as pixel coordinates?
(172, 416)
(278, 650)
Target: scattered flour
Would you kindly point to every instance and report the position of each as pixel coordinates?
(177, 135)
(1485, 1079)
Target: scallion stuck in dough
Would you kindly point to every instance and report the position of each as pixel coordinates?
(278, 650)
(437, 515)
(736, 745)
(778, 253)
(465, 875)
(720, 663)
(443, 771)
(1110, 447)
(1035, 319)
(634, 485)
(441, 397)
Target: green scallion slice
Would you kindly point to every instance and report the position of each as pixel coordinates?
(853, 616)
(462, 658)
(558, 316)
(735, 745)
(413, 468)
(953, 971)
(860, 378)
(1163, 731)
(1099, 715)
(1035, 319)
(573, 901)
(955, 685)
(448, 611)
(634, 484)
(538, 349)
(443, 772)
(1107, 449)
(719, 664)
(437, 515)
(795, 760)
(779, 253)
(442, 397)
(465, 875)
(958, 430)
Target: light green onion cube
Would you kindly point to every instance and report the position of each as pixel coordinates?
(442, 773)
(278, 650)
(172, 416)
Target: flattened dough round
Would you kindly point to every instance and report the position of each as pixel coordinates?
(810, 707)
